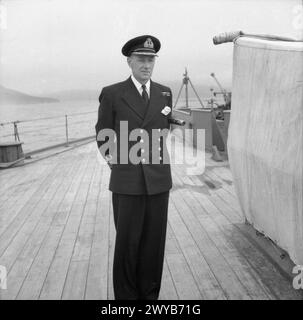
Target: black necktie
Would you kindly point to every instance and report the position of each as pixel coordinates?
(144, 94)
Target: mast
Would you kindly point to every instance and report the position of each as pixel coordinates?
(185, 82)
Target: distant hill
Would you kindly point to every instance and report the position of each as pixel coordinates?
(87, 94)
(10, 96)
(77, 94)
(93, 95)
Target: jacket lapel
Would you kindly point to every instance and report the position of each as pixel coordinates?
(155, 103)
(133, 99)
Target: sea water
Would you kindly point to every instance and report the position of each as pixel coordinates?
(44, 124)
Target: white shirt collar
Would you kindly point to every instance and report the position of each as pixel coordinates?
(139, 85)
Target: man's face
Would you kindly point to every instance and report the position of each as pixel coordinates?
(142, 66)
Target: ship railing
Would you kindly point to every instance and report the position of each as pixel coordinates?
(43, 133)
(40, 134)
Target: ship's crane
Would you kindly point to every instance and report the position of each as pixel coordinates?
(219, 109)
(226, 95)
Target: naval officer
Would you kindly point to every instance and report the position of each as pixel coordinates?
(140, 189)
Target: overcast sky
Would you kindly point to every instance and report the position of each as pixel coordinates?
(50, 45)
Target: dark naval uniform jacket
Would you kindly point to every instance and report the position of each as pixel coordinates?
(122, 102)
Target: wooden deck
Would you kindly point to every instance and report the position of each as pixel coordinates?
(57, 235)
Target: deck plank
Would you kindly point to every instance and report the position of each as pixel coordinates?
(224, 190)
(112, 235)
(13, 239)
(97, 282)
(69, 221)
(270, 279)
(57, 235)
(204, 277)
(13, 206)
(35, 279)
(29, 239)
(74, 287)
(234, 259)
(13, 185)
(181, 274)
(228, 280)
(168, 290)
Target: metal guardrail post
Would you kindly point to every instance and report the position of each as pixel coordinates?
(66, 130)
(66, 142)
(16, 134)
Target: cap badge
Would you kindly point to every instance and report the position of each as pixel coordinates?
(148, 43)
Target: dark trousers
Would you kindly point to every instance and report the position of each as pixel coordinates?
(140, 222)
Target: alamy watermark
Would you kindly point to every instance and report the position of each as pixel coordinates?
(3, 277)
(158, 146)
(298, 279)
